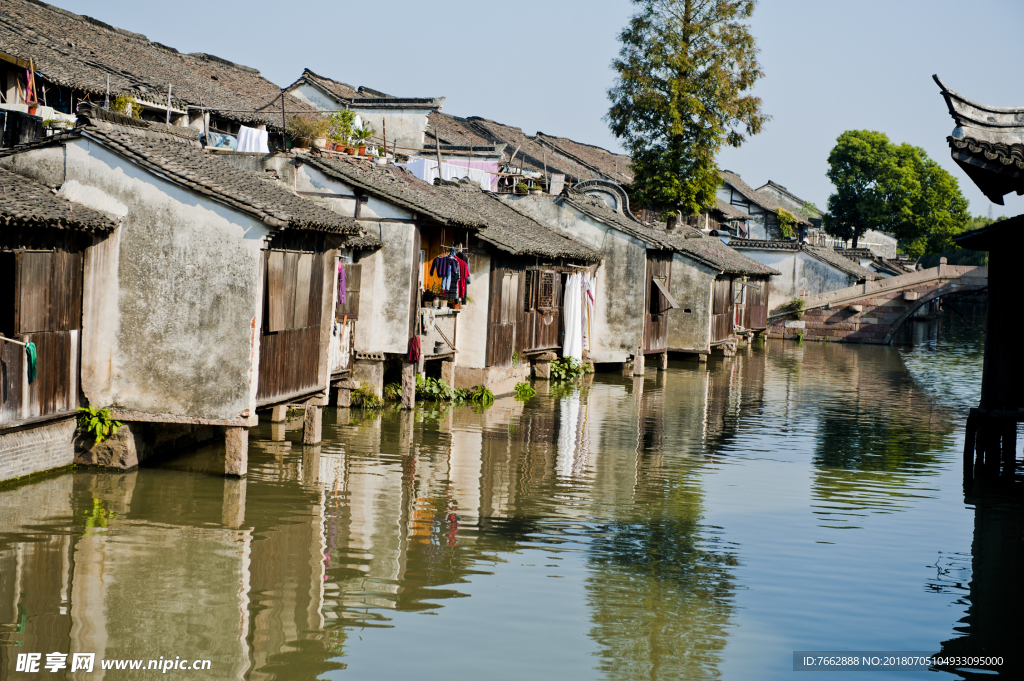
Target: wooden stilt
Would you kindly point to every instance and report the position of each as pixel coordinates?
(970, 442)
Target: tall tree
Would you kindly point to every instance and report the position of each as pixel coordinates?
(892, 188)
(684, 69)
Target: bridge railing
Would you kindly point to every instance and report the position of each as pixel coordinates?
(971, 275)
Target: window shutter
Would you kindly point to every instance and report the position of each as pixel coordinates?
(35, 284)
(275, 292)
(353, 280)
(546, 290)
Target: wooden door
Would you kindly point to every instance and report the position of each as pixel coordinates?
(659, 271)
(542, 310)
(756, 305)
(721, 310)
(505, 305)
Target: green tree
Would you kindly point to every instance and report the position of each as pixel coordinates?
(684, 69)
(892, 188)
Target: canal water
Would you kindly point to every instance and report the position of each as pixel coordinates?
(703, 522)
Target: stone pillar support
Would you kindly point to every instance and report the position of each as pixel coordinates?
(702, 358)
(232, 512)
(448, 372)
(236, 451)
(663, 362)
(409, 385)
(312, 427)
(279, 414)
(542, 365)
(638, 362)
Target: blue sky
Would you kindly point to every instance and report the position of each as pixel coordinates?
(830, 65)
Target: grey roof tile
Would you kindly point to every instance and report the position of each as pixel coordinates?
(27, 203)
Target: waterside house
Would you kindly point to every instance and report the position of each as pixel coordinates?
(81, 59)
(659, 290)
(209, 300)
(988, 145)
(46, 244)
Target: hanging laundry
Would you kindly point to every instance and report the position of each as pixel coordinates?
(253, 140)
(342, 295)
(464, 276)
(572, 314)
(30, 355)
(446, 268)
(414, 350)
(426, 320)
(220, 141)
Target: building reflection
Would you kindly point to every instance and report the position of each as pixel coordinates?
(995, 594)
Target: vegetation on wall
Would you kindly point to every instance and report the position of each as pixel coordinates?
(98, 423)
(787, 223)
(126, 104)
(684, 72)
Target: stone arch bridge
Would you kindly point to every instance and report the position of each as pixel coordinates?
(872, 312)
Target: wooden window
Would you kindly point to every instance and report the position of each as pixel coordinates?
(294, 290)
(49, 289)
(530, 290)
(546, 290)
(509, 297)
(353, 279)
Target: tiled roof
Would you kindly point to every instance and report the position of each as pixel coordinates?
(27, 203)
(187, 164)
(765, 201)
(615, 167)
(840, 262)
(782, 190)
(1011, 156)
(397, 186)
(363, 97)
(562, 155)
(685, 240)
(463, 204)
(730, 212)
(512, 231)
(825, 255)
(81, 53)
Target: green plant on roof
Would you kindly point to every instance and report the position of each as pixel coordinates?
(126, 104)
(521, 188)
(98, 423)
(339, 126)
(362, 135)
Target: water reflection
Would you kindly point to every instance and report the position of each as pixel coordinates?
(586, 513)
(994, 595)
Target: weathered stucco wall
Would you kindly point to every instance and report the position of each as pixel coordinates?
(620, 294)
(689, 325)
(184, 304)
(386, 291)
(406, 127)
(471, 336)
(799, 272)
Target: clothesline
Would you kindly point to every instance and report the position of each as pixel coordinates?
(11, 340)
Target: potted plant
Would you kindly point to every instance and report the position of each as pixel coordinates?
(436, 291)
(535, 190)
(521, 188)
(428, 296)
(456, 304)
(444, 303)
(361, 137)
(306, 130)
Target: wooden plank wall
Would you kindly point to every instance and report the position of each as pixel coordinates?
(721, 310)
(290, 343)
(756, 310)
(47, 312)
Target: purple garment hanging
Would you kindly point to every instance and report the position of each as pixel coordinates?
(342, 298)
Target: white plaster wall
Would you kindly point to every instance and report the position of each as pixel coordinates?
(620, 293)
(181, 338)
(386, 290)
(798, 271)
(471, 336)
(691, 284)
(404, 126)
